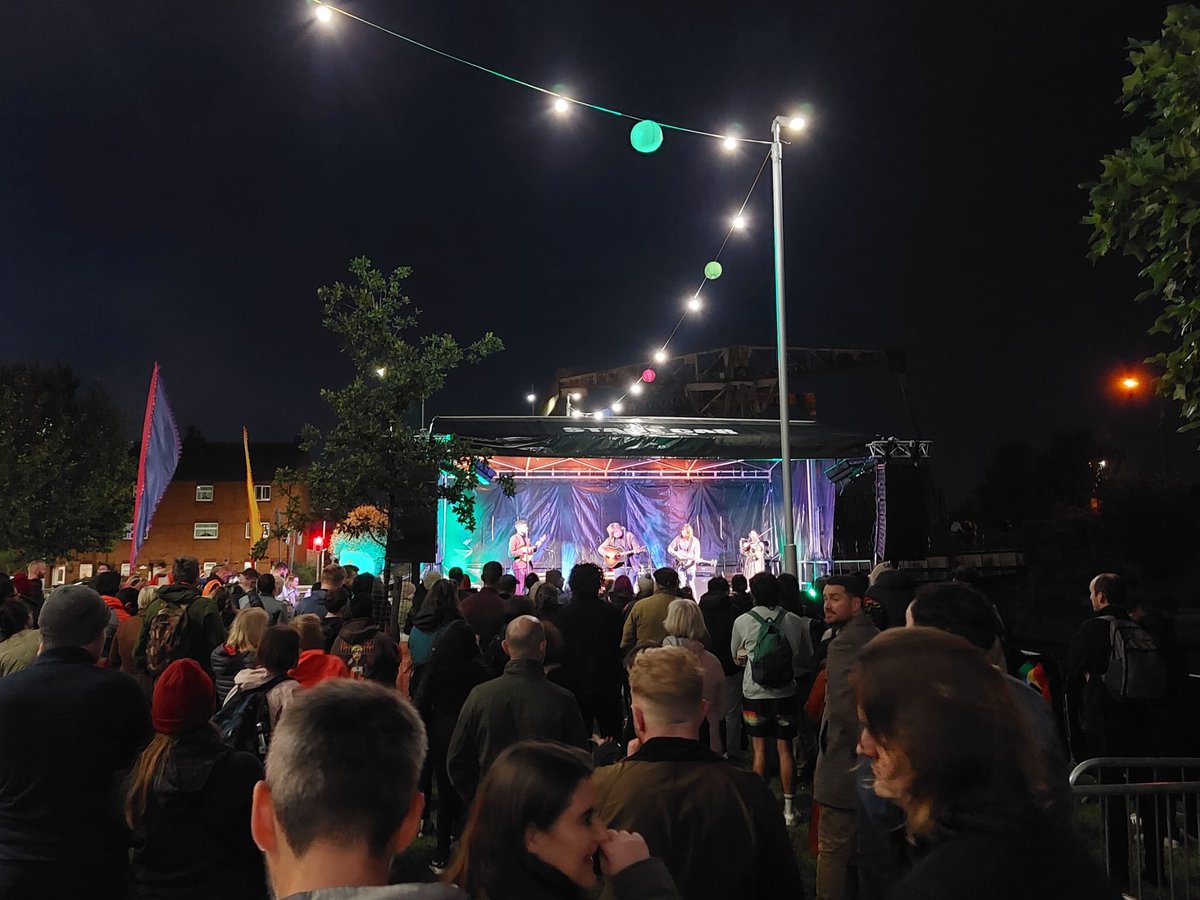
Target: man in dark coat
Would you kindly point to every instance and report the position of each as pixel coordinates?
(591, 631)
(205, 630)
(70, 734)
(716, 826)
(520, 705)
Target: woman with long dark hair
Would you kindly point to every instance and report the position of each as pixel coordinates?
(534, 834)
(950, 747)
(455, 667)
(188, 800)
(439, 610)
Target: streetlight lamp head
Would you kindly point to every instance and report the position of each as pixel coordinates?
(324, 14)
(530, 398)
(797, 123)
(1103, 464)
(561, 105)
(1130, 383)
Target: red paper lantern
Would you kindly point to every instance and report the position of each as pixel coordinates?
(648, 376)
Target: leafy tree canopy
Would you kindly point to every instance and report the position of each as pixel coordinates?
(66, 473)
(373, 455)
(1147, 201)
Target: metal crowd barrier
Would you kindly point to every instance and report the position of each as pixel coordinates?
(1158, 815)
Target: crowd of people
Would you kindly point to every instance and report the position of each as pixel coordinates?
(218, 736)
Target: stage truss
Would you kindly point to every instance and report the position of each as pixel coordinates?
(614, 469)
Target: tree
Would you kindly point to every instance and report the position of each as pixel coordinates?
(373, 455)
(1147, 201)
(66, 473)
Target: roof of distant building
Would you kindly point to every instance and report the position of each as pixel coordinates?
(205, 462)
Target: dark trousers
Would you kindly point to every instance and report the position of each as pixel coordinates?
(1117, 810)
(39, 880)
(603, 709)
(449, 807)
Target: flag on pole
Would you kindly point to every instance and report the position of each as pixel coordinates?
(255, 522)
(156, 462)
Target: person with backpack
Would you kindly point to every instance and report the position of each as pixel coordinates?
(835, 786)
(370, 654)
(772, 644)
(261, 694)
(437, 612)
(179, 624)
(1116, 676)
(189, 792)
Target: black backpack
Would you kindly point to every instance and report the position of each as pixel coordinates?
(245, 720)
(771, 658)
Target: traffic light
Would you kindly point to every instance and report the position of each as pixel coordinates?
(318, 542)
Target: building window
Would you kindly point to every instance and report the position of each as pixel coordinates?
(262, 493)
(204, 493)
(204, 531)
(128, 532)
(125, 570)
(266, 529)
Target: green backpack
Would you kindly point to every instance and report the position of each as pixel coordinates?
(771, 658)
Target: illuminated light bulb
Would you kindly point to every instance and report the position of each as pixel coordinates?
(730, 143)
(660, 356)
(381, 371)
(1129, 383)
(324, 14)
(530, 398)
(798, 123)
(598, 415)
(618, 406)
(577, 414)
(576, 396)
(739, 221)
(694, 304)
(635, 388)
(561, 105)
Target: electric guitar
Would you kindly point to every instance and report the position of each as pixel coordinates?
(529, 551)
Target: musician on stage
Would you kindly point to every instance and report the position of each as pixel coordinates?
(521, 551)
(685, 550)
(754, 554)
(617, 550)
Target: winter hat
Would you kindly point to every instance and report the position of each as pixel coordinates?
(184, 698)
(73, 616)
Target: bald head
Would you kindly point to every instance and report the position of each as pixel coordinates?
(525, 638)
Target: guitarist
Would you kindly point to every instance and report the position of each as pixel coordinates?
(685, 550)
(617, 550)
(521, 552)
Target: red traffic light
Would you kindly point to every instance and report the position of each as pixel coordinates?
(318, 542)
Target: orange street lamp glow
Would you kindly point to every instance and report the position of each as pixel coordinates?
(1130, 383)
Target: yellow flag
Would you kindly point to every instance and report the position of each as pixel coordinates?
(255, 523)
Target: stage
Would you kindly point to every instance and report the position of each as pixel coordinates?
(575, 476)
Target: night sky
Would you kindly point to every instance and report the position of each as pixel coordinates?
(177, 179)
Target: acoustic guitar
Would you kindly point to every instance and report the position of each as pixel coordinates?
(531, 550)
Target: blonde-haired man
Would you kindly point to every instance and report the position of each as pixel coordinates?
(717, 827)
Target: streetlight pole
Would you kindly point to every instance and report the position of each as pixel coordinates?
(785, 437)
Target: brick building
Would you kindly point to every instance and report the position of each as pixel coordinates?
(204, 512)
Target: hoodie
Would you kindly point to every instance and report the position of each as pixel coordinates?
(370, 654)
(278, 697)
(316, 666)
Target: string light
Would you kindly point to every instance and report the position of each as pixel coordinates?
(660, 356)
(730, 143)
(323, 14)
(618, 406)
(635, 388)
(561, 105)
(598, 415)
(646, 124)
(739, 222)
(694, 304)
(577, 413)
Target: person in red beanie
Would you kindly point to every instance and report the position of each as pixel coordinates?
(315, 664)
(188, 800)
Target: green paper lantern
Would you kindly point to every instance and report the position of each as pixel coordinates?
(646, 136)
(713, 271)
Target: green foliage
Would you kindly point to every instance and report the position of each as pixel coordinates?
(373, 455)
(1147, 201)
(66, 473)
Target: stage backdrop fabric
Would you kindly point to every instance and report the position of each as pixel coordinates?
(573, 514)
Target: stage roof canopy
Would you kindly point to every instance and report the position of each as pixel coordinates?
(640, 436)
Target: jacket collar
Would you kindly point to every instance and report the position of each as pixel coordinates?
(525, 668)
(1117, 612)
(66, 655)
(674, 749)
